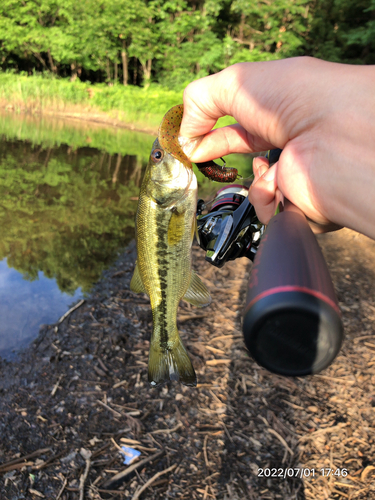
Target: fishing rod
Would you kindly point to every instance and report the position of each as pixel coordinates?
(292, 324)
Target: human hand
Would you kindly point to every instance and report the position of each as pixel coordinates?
(323, 117)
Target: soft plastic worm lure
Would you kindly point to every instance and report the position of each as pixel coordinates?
(168, 134)
(218, 173)
(168, 138)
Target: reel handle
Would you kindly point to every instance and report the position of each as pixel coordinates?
(292, 324)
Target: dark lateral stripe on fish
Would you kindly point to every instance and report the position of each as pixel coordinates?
(161, 250)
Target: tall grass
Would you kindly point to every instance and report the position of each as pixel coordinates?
(143, 108)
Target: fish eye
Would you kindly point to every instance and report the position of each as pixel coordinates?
(157, 155)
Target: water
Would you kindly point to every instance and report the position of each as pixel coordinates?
(68, 196)
(25, 305)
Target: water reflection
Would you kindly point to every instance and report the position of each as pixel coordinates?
(25, 305)
(64, 215)
(68, 196)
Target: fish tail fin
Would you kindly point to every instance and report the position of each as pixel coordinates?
(170, 364)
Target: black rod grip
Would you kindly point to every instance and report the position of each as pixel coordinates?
(292, 324)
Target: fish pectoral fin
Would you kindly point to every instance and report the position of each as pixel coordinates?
(170, 364)
(197, 293)
(136, 284)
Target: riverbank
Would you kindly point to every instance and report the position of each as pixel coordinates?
(135, 108)
(80, 391)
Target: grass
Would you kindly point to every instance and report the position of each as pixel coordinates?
(142, 108)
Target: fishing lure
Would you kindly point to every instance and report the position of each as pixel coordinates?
(218, 173)
(168, 139)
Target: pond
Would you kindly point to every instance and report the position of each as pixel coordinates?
(68, 194)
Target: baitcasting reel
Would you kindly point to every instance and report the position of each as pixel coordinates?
(292, 324)
(231, 228)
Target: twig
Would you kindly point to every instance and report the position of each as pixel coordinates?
(227, 432)
(25, 457)
(119, 384)
(129, 441)
(214, 362)
(205, 451)
(121, 476)
(167, 431)
(55, 387)
(16, 466)
(281, 439)
(117, 446)
(87, 456)
(116, 413)
(36, 493)
(64, 316)
(117, 492)
(138, 493)
(335, 379)
(62, 488)
(187, 317)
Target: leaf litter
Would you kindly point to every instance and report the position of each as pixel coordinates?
(79, 393)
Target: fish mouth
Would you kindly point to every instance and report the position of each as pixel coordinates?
(168, 134)
(181, 180)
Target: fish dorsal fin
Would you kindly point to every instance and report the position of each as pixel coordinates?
(136, 284)
(197, 293)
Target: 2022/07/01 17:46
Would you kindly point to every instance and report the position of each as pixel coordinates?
(301, 472)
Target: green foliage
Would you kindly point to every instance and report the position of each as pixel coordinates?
(343, 31)
(177, 41)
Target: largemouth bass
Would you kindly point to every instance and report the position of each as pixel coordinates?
(165, 224)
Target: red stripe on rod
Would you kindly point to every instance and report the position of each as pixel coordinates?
(292, 288)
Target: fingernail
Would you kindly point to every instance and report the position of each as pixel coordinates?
(270, 175)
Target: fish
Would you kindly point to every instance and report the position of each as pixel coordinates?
(165, 227)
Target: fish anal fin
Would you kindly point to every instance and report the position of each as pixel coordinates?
(136, 284)
(197, 293)
(170, 364)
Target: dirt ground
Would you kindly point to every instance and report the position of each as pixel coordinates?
(80, 392)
